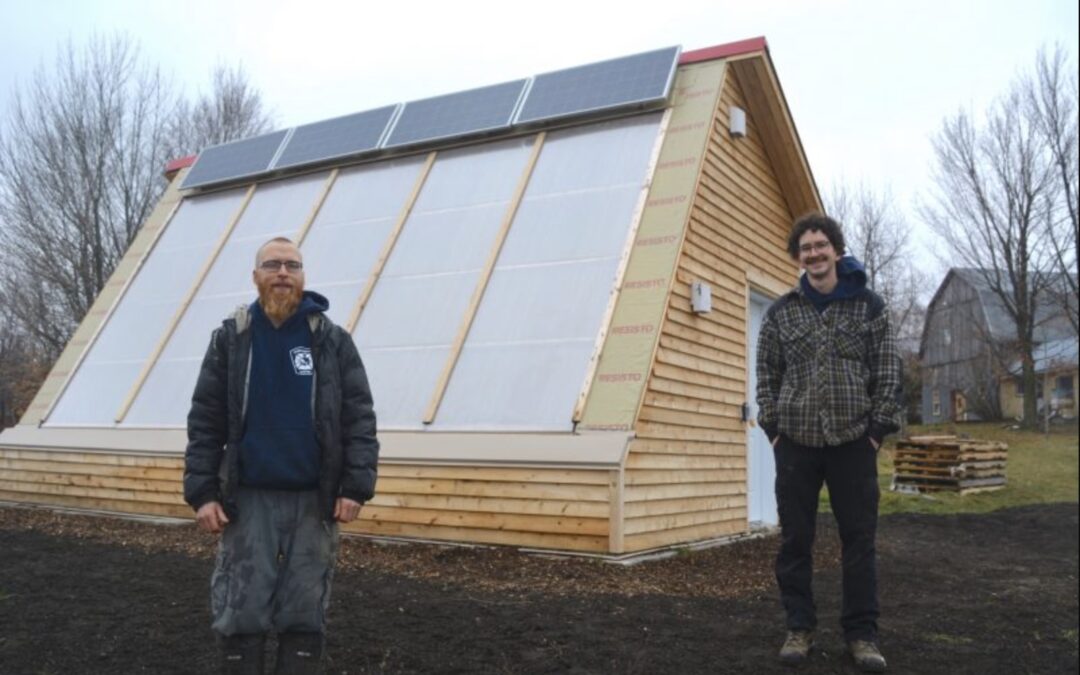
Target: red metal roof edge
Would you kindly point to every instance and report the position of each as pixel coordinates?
(723, 51)
(179, 163)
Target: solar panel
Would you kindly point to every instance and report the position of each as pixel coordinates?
(234, 160)
(337, 137)
(466, 112)
(631, 80)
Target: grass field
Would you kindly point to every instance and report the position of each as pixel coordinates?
(1042, 468)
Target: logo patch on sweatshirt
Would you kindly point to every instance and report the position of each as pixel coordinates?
(301, 360)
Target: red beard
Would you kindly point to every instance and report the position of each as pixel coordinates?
(279, 306)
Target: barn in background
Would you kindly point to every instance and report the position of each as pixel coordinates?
(555, 284)
(968, 347)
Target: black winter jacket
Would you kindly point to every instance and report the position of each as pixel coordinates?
(342, 413)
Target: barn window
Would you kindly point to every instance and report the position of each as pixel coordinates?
(1064, 387)
(1020, 388)
(935, 398)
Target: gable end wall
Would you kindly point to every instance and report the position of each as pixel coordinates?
(685, 474)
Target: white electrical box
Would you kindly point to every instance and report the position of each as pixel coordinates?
(700, 297)
(737, 122)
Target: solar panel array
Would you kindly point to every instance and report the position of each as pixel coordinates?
(338, 137)
(238, 159)
(628, 83)
(477, 110)
(631, 80)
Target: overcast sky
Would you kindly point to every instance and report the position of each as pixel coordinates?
(868, 81)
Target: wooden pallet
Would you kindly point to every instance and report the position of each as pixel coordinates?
(949, 463)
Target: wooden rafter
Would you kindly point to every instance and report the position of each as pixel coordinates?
(182, 309)
(481, 286)
(388, 247)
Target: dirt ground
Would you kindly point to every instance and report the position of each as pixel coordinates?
(992, 593)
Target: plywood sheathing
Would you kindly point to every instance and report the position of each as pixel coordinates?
(623, 366)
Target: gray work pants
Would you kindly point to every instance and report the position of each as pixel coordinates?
(274, 566)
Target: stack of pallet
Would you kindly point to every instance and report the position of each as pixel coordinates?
(935, 463)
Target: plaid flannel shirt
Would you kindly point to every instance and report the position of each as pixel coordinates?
(828, 378)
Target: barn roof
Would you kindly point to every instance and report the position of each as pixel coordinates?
(1052, 355)
(1050, 322)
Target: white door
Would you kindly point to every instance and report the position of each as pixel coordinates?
(760, 466)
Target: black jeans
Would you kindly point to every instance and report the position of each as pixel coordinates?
(850, 472)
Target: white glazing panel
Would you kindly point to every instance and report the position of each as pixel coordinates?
(571, 226)
(544, 302)
(281, 205)
(166, 397)
(279, 208)
(525, 359)
(146, 308)
(476, 175)
(345, 251)
(515, 387)
(131, 335)
(421, 298)
(607, 153)
(342, 298)
(402, 381)
(352, 228)
(412, 311)
(370, 192)
(94, 396)
(203, 315)
(446, 241)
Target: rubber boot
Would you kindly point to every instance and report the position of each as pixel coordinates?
(299, 654)
(242, 654)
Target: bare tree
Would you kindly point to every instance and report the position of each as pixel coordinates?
(81, 156)
(994, 203)
(1051, 97)
(79, 163)
(879, 236)
(22, 367)
(82, 149)
(232, 110)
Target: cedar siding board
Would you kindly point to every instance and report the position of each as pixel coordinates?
(663, 459)
(686, 469)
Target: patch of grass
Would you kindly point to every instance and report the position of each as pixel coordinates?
(1071, 635)
(946, 639)
(1041, 469)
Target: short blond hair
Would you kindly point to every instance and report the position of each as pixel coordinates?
(275, 240)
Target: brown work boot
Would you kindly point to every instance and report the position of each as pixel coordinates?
(797, 647)
(867, 656)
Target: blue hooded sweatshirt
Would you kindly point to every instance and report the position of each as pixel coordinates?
(278, 450)
(851, 283)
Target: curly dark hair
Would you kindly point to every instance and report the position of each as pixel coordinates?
(817, 222)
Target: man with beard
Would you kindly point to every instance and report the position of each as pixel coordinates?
(829, 390)
(281, 448)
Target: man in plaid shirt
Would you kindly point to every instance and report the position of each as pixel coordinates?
(829, 390)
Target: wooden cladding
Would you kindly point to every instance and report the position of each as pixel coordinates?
(685, 473)
(564, 509)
